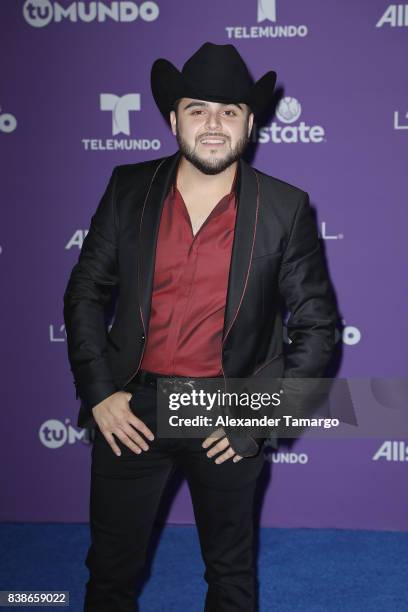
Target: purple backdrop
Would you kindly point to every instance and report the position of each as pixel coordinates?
(341, 134)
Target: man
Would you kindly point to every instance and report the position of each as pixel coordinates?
(201, 245)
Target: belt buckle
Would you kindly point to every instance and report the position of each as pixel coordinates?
(176, 385)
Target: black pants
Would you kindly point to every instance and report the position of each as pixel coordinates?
(125, 495)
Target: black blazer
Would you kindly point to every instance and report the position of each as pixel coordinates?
(276, 254)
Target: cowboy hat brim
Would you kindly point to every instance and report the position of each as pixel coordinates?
(168, 84)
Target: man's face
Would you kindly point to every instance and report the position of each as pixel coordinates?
(211, 135)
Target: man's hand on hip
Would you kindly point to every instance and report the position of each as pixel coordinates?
(222, 445)
(114, 416)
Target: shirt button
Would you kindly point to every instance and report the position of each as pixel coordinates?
(142, 338)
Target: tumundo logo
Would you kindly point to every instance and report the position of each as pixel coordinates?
(350, 334)
(8, 122)
(39, 13)
(53, 434)
(288, 112)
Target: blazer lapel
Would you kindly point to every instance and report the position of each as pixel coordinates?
(244, 240)
(157, 191)
(242, 248)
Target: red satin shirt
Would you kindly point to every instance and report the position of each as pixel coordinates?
(190, 289)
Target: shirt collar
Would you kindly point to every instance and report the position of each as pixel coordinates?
(232, 193)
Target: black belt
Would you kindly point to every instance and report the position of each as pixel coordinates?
(149, 379)
(246, 447)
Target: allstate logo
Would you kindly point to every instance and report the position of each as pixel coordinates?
(392, 450)
(395, 16)
(288, 110)
(38, 13)
(54, 434)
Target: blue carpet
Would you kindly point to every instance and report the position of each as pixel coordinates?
(306, 570)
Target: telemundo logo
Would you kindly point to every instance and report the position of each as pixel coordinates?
(266, 11)
(288, 112)
(120, 108)
(40, 13)
(288, 458)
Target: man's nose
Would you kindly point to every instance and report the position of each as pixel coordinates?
(213, 121)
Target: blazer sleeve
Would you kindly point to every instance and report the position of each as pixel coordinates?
(87, 293)
(305, 286)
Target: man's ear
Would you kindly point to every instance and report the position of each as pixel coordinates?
(173, 121)
(250, 123)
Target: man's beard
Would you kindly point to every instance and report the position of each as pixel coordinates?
(212, 165)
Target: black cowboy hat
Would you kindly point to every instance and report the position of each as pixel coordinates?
(215, 73)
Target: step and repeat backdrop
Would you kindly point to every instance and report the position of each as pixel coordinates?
(75, 101)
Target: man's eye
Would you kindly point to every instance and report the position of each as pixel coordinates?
(227, 111)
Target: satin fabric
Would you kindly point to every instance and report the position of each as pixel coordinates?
(190, 289)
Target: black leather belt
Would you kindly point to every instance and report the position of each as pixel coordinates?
(145, 377)
(246, 447)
